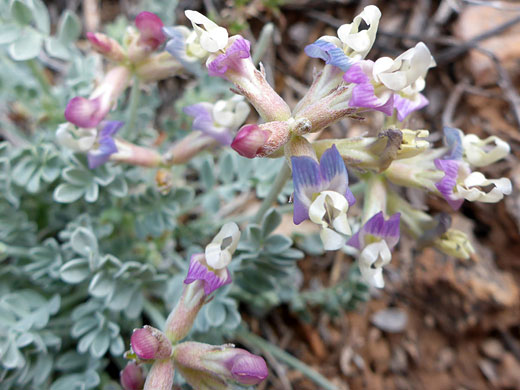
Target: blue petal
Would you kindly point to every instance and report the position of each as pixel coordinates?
(329, 53)
(307, 181)
(453, 141)
(334, 173)
(110, 128)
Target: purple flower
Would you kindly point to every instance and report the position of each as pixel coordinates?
(231, 60)
(106, 145)
(150, 26)
(449, 181)
(212, 279)
(377, 227)
(202, 114)
(131, 377)
(150, 343)
(363, 94)
(311, 178)
(329, 53)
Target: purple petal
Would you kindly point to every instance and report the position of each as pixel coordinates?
(199, 271)
(329, 53)
(248, 369)
(203, 121)
(231, 59)
(356, 75)
(307, 180)
(363, 96)
(448, 182)
(377, 226)
(405, 106)
(85, 113)
(110, 128)
(334, 173)
(453, 141)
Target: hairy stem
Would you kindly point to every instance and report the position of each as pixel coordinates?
(135, 94)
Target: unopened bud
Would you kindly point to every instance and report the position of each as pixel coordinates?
(132, 377)
(150, 343)
(249, 140)
(107, 46)
(455, 243)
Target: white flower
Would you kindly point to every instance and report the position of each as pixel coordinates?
(353, 42)
(329, 210)
(74, 138)
(230, 113)
(371, 261)
(407, 70)
(480, 153)
(211, 36)
(470, 188)
(220, 250)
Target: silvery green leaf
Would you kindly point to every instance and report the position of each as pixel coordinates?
(21, 12)
(24, 339)
(117, 346)
(68, 193)
(101, 285)
(118, 187)
(84, 242)
(86, 341)
(41, 16)
(71, 360)
(69, 27)
(12, 357)
(100, 343)
(83, 326)
(27, 46)
(42, 369)
(277, 244)
(9, 32)
(57, 49)
(206, 173)
(75, 271)
(215, 313)
(270, 222)
(227, 168)
(137, 300)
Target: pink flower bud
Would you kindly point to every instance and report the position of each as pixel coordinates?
(107, 46)
(150, 26)
(150, 343)
(160, 376)
(261, 141)
(249, 140)
(246, 368)
(132, 377)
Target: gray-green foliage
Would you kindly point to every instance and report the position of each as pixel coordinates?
(88, 255)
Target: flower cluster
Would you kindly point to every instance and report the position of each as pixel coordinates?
(204, 366)
(347, 86)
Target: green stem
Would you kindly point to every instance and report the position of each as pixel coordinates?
(155, 315)
(133, 106)
(275, 190)
(253, 340)
(39, 74)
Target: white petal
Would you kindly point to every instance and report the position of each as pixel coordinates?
(479, 154)
(76, 139)
(220, 251)
(471, 192)
(361, 41)
(212, 37)
(332, 240)
(371, 261)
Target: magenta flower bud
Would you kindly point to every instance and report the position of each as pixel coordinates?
(203, 363)
(132, 377)
(150, 26)
(160, 376)
(87, 113)
(249, 140)
(150, 343)
(261, 140)
(106, 46)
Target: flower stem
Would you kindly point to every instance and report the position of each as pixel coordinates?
(253, 340)
(275, 190)
(133, 106)
(39, 74)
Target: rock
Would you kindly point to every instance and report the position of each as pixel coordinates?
(492, 348)
(391, 320)
(473, 21)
